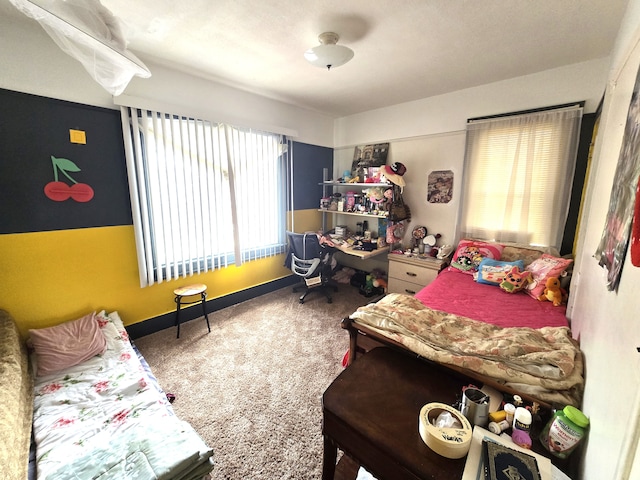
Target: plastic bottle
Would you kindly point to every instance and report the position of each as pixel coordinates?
(522, 419)
(564, 431)
(509, 410)
(521, 427)
(498, 427)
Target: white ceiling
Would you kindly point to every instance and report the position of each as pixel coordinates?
(404, 49)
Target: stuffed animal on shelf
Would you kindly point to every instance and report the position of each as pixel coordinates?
(553, 292)
(388, 199)
(375, 195)
(515, 280)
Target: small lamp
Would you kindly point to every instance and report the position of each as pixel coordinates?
(328, 54)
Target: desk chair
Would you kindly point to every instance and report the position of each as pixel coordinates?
(312, 262)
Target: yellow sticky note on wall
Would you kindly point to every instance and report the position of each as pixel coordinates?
(77, 136)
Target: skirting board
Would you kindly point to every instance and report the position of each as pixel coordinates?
(192, 312)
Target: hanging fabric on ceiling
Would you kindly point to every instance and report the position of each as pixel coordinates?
(90, 33)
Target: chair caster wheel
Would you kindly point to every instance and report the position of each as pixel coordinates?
(301, 301)
(329, 300)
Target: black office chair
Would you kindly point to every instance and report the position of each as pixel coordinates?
(312, 261)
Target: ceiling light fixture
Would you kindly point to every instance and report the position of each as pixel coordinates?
(328, 54)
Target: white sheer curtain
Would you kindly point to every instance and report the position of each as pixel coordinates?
(518, 174)
(203, 194)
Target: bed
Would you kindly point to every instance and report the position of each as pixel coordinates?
(508, 339)
(105, 417)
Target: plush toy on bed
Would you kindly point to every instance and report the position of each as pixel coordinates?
(553, 292)
(515, 280)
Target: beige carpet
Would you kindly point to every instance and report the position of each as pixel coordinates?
(252, 388)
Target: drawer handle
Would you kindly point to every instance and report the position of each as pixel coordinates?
(410, 292)
(411, 274)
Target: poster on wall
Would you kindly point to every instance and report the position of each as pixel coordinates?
(440, 186)
(367, 156)
(614, 242)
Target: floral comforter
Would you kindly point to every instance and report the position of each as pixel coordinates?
(102, 419)
(545, 362)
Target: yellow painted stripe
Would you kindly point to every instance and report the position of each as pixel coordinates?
(50, 277)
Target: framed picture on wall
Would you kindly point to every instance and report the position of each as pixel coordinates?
(366, 156)
(440, 186)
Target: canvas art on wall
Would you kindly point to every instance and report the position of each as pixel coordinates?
(614, 242)
(440, 186)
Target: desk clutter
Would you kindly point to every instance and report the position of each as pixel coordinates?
(506, 450)
(400, 417)
(515, 441)
(361, 239)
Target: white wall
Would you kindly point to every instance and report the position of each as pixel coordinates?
(32, 63)
(421, 156)
(429, 134)
(607, 322)
(449, 112)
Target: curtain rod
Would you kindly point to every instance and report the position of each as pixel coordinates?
(526, 112)
(159, 106)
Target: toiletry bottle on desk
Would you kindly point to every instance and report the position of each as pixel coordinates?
(522, 427)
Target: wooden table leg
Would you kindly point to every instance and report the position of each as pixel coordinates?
(329, 459)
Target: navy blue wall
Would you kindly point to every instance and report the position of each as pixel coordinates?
(35, 128)
(308, 163)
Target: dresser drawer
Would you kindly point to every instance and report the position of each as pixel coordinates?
(420, 275)
(402, 286)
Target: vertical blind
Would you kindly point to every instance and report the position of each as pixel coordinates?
(204, 194)
(518, 176)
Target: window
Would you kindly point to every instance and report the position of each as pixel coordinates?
(204, 195)
(518, 176)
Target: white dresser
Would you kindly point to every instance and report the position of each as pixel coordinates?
(409, 274)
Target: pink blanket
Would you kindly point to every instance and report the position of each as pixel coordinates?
(459, 294)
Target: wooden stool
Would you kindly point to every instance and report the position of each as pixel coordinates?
(188, 291)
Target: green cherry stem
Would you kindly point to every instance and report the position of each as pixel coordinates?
(59, 165)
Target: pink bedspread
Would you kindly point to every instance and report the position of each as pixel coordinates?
(458, 293)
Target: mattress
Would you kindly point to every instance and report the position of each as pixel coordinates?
(458, 293)
(106, 419)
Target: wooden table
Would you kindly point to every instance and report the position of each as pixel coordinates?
(371, 412)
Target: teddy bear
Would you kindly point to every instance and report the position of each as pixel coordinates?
(553, 292)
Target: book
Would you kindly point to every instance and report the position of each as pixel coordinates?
(474, 465)
(504, 463)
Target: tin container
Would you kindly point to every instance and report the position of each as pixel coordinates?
(475, 406)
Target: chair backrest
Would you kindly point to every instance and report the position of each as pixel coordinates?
(305, 254)
(304, 246)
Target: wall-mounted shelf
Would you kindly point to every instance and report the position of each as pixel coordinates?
(355, 185)
(359, 188)
(357, 214)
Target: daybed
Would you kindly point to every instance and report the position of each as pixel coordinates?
(513, 341)
(104, 417)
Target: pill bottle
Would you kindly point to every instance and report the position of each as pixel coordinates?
(498, 427)
(522, 419)
(564, 431)
(509, 410)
